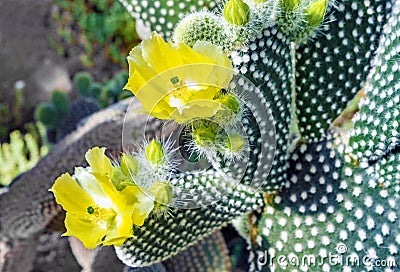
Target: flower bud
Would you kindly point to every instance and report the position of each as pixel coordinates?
(204, 136)
(237, 12)
(129, 165)
(162, 192)
(155, 152)
(230, 102)
(315, 13)
(290, 5)
(234, 142)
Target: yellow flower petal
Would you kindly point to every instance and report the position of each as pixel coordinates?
(142, 203)
(98, 161)
(91, 185)
(71, 196)
(117, 199)
(121, 232)
(90, 234)
(160, 55)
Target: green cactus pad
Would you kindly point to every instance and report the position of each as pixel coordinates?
(83, 81)
(267, 63)
(210, 254)
(333, 67)
(329, 208)
(162, 15)
(48, 115)
(158, 267)
(376, 128)
(163, 236)
(61, 102)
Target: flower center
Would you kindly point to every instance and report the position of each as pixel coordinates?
(97, 214)
(182, 93)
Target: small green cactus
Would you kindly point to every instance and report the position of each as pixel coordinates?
(61, 102)
(47, 114)
(57, 115)
(21, 153)
(51, 114)
(83, 81)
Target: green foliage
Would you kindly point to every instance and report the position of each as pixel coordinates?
(93, 25)
(21, 153)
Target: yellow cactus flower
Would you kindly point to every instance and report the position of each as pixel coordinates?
(97, 213)
(98, 161)
(175, 81)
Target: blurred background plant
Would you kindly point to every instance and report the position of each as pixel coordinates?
(101, 32)
(22, 152)
(105, 93)
(95, 26)
(11, 112)
(62, 114)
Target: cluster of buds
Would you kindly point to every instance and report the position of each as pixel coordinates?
(220, 135)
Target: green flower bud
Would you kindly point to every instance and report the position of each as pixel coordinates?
(129, 165)
(315, 13)
(230, 102)
(204, 136)
(162, 192)
(290, 5)
(234, 142)
(120, 179)
(155, 152)
(237, 12)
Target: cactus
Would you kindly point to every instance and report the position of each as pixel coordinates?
(162, 15)
(83, 81)
(330, 191)
(61, 102)
(51, 114)
(21, 153)
(48, 115)
(80, 109)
